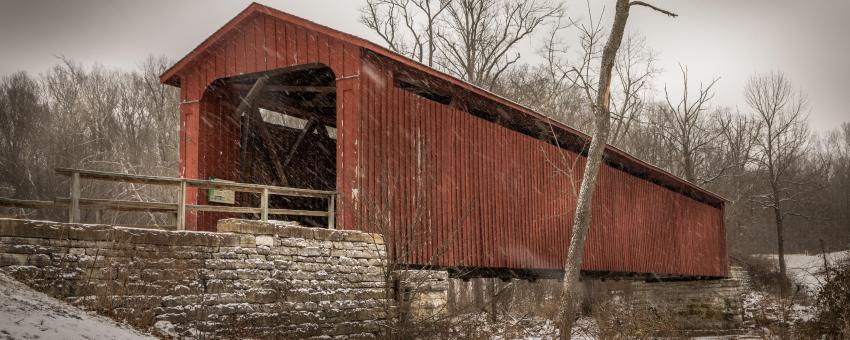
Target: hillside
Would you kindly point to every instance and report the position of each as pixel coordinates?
(27, 314)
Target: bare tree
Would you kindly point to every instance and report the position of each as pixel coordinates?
(738, 135)
(602, 126)
(548, 87)
(837, 148)
(781, 145)
(408, 27)
(728, 161)
(633, 72)
(474, 40)
(686, 125)
(22, 115)
(89, 117)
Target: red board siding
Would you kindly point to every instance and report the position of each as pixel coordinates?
(219, 151)
(462, 191)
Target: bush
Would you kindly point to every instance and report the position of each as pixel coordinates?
(616, 318)
(833, 306)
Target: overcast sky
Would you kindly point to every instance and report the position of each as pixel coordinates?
(730, 39)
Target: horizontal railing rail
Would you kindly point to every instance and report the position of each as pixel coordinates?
(75, 202)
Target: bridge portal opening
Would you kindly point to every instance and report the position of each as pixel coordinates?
(283, 123)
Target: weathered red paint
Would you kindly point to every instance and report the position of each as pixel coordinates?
(448, 188)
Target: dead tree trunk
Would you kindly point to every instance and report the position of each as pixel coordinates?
(575, 256)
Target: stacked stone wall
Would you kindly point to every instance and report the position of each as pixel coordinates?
(423, 294)
(251, 279)
(693, 306)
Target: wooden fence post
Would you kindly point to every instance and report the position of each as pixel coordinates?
(181, 206)
(331, 211)
(74, 207)
(264, 205)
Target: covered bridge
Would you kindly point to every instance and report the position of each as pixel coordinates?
(452, 175)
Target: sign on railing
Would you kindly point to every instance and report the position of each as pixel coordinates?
(75, 202)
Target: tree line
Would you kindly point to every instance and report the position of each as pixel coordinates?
(88, 117)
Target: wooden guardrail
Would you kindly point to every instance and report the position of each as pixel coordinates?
(74, 203)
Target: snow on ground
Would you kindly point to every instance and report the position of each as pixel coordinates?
(27, 314)
(525, 327)
(764, 306)
(807, 270)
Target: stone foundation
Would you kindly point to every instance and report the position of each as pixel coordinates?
(251, 279)
(256, 279)
(693, 306)
(422, 294)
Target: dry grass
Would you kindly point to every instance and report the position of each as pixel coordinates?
(764, 275)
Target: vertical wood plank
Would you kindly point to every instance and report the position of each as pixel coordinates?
(264, 205)
(250, 37)
(220, 62)
(74, 207)
(240, 52)
(280, 44)
(335, 56)
(312, 47)
(269, 43)
(231, 55)
(301, 47)
(260, 44)
(332, 212)
(181, 206)
(291, 52)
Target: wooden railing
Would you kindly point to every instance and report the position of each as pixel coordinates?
(74, 202)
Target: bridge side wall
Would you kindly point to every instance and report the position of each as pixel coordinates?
(451, 189)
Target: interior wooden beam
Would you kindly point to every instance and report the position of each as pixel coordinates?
(249, 78)
(247, 102)
(320, 102)
(308, 129)
(287, 107)
(244, 140)
(247, 107)
(292, 88)
(271, 148)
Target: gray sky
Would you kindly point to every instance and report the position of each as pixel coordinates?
(719, 38)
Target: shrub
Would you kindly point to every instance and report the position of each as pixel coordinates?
(833, 306)
(616, 318)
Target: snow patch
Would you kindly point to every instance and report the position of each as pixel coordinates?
(808, 270)
(27, 314)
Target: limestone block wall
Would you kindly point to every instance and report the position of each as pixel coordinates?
(714, 304)
(693, 305)
(251, 279)
(422, 294)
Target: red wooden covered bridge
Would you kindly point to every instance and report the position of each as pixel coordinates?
(452, 175)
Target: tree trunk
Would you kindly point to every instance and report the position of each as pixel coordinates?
(690, 173)
(602, 125)
(780, 248)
